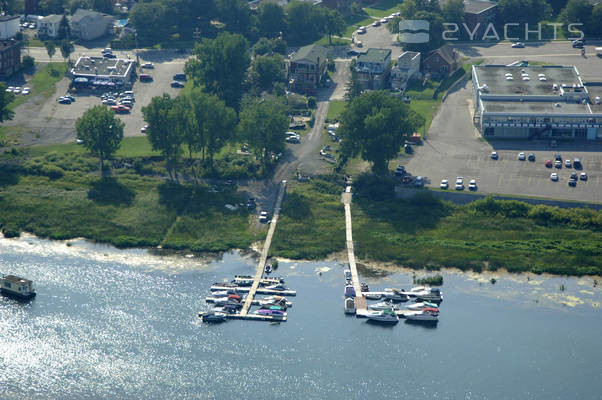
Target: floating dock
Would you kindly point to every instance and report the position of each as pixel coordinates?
(255, 302)
(401, 313)
(360, 300)
(253, 317)
(259, 290)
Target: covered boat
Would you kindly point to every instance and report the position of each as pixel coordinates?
(349, 291)
(349, 305)
(213, 316)
(383, 305)
(17, 287)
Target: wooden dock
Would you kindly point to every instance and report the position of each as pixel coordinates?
(264, 256)
(252, 317)
(360, 300)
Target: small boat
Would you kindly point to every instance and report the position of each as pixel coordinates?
(373, 295)
(273, 301)
(383, 305)
(349, 291)
(17, 287)
(434, 295)
(396, 295)
(220, 293)
(281, 308)
(243, 281)
(427, 315)
(271, 313)
(383, 317)
(421, 305)
(212, 316)
(348, 276)
(278, 287)
(268, 268)
(349, 305)
(271, 281)
(364, 287)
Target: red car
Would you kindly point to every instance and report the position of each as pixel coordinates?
(549, 163)
(120, 109)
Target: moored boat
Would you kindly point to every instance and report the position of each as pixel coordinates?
(434, 295)
(349, 291)
(427, 315)
(17, 287)
(349, 305)
(383, 316)
(364, 287)
(212, 316)
(396, 295)
(383, 305)
(271, 313)
(421, 306)
(373, 295)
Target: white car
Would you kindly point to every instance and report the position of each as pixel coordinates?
(361, 30)
(109, 102)
(459, 183)
(518, 45)
(26, 91)
(264, 216)
(10, 89)
(444, 184)
(17, 90)
(144, 129)
(148, 65)
(554, 177)
(521, 157)
(472, 185)
(567, 163)
(384, 20)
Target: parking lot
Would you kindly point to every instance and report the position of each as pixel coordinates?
(453, 148)
(50, 122)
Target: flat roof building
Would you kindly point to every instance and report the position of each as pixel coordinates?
(534, 102)
(98, 71)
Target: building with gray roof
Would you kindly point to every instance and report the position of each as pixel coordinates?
(373, 68)
(306, 68)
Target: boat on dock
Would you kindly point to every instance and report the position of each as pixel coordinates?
(427, 315)
(396, 295)
(383, 317)
(212, 316)
(276, 314)
(349, 291)
(383, 305)
(421, 306)
(17, 287)
(268, 269)
(273, 301)
(434, 295)
(349, 305)
(373, 295)
(347, 274)
(247, 280)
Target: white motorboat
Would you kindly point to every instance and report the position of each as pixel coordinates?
(278, 287)
(347, 275)
(434, 295)
(421, 306)
(212, 316)
(349, 305)
(396, 295)
(274, 301)
(418, 290)
(383, 305)
(426, 315)
(383, 317)
(372, 295)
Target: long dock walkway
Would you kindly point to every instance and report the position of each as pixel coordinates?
(264, 252)
(360, 300)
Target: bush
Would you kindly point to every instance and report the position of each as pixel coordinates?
(52, 171)
(330, 64)
(296, 206)
(435, 280)
(27, 61)
(11, 231)
(311, 102)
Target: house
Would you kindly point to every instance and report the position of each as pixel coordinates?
(441, 62)
(306, 68)
(49, 26)
(9, 26)
(90, 25)
(373, 68)
(407, 68)
(478, 14)
(10, 57)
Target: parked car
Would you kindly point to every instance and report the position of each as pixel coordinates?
(444, 184)
(109, 101)
(359, 43)
(109, 55)
(406, 179)
(26, 91)
(531, 157)
(17, 90)
(577, 163)
(567, 163)
(145, 78)
(557, 157)
(120, 109)
(292, 139)
(352, 53)
(408, 149)
(64, 100)
(572, 182)
(68, 96)
(554, 177)
(521, 157)
(573, 176)
(384, 20)
(548, 163)
(251, 204)
(419, 182)
(376, 23)
(577, 44)
(176, 84)
(583, 176)
(400, 170)
(459, 183)
(10, 89)
(494, 155)
(518, 45)
(144, 129)
(126, 103)
(558, 164)
(264, 217)
(361, 30)
(180, 76)
(472, 185)
(148, 65)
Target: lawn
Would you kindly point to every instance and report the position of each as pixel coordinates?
(42, 83)
(335, 108)
(336, 41)
(383, 8)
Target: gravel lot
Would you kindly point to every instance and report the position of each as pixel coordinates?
(51, 122)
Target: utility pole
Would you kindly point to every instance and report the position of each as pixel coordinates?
(136, 49)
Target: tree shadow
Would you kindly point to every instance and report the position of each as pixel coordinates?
(174, 196)
(8, 178)
(108, 190)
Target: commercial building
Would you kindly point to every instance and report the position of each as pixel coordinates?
(534, 102)
(9, 26)
(373, 68)
(10, 57)
(102, 72)
(306, 68)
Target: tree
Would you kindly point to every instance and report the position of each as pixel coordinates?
(376, 125)
(263, 122)
(408, 9)
(66, 49)
(435, 32)
(269, 46)
(74, 5)
(101, 132)
(578, 11)
(305, 22)
(5, 99)
(595, 24)
(334, 23)
(221, 66)
(354, 88)
(103, 6)
(267, 70)
(355, 8)
(453, 11)
(236, 14)
(271, 19)
(64, 31)
(27, 61)
(522, 11)
(150, 21)
(160, 116)
(50, 48)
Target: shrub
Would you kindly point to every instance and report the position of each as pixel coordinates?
(435, 280)
(10, 231)
(27, 61)
(311, 102)
(52, 171)
(296, 206)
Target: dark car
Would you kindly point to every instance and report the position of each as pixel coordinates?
(573, 176)
(145, 78)
(531, 157)
(572, 182)
(352, 53)
(109, 55)
(408, 149)
(557, 157)
(176, 84)
(180, 76)
(577, 163)
(251, 204)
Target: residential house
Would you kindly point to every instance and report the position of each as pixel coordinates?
(9, 26)
(407, 68)
(441, 62)
(10, 57)
(90, 25)
(373, 68)
(306, 68)
(478, 14)
(49, 26)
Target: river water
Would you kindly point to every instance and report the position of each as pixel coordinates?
(121, 324)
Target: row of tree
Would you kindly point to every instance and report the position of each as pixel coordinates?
(298, 23)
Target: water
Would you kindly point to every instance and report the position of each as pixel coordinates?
(122, 325)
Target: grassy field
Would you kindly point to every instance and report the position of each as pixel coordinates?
(383, 8)
(335, 108)
(42, 83)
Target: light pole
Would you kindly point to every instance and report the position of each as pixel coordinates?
(136, 49)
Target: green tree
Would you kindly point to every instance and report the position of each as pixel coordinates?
(161, 119)
(5, 99)
(355, 8)
(236, 14)
(103, 6)
(101, 132)
(150, 21)
(50, 49)
(435, 31)
(27, 61)
(221, 66)
(74, 5)
(334, 23)
(271, 19)
(408, 9)
(453, 11)
(354, 88)
(578, 11)
(263, 122)
(376, 125)
(66, 49)
(595, 26)
(64, 31)
(305, 22)
(267, 70)
(523, 11)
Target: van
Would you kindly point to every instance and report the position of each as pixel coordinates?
(180, 76)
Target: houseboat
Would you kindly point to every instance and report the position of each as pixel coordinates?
(19, 288)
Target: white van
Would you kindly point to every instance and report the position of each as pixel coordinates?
(598, 51)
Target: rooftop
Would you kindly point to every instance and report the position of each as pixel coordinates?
(52, 18)
(407, 55)
(474, 6)
(494, 76)
(374, 56)
(16, 279)
(5, 18)
(101, 66)
(81, 14)
(311, 52)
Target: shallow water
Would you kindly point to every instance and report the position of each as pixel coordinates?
(122, 324)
